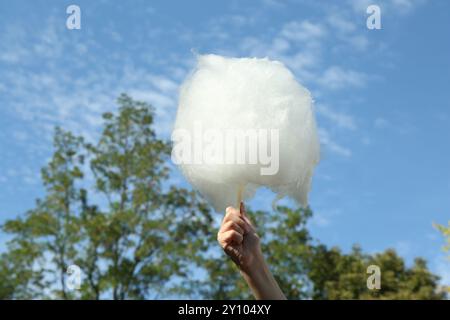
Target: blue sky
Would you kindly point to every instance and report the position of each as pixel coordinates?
(382, 97)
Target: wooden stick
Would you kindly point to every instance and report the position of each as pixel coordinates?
(239, 197)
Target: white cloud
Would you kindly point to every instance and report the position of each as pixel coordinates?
(360, 6)
(298, 44)
(234, 20)
(163, 83)
(405, 6)
(11, 50)
(347, 28)
(339, 23)
(340, 119)
(336, 77)
(331, 145)
(302, 62)
(49, 43)
(391, 7)
(273, 3)
(302, 44)
(359, 42)
(320, 220)
(23, 172)
(55, 95)
(323, 217)
(157, 99)
(304, 31)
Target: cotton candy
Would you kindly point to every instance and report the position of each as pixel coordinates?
(223, 105)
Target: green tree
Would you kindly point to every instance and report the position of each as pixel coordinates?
(110, 208)
(307, 269)
(336, 275)
(139, 235)
(445, 230)
(18, 278)
(45, 238)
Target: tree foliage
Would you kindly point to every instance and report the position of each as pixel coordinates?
(445, 230)
(306, 269)
(138, 234)
(336, 275)
(111, 208)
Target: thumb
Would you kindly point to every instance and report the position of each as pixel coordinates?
(244, 214)
(242, 208)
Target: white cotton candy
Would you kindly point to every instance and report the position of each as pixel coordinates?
(221, 98)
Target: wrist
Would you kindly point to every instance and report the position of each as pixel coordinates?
(260, 279)
(257, 270)
(254, 261)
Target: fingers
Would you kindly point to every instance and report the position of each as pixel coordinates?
(242, 208)
(244, 214)
(231, 211)
(249, 224)
(230, 249)
(228, 237)
(234, 253)
(231, 225)
(233, 215)
(232, 229)
(240, 217)
(245, 217)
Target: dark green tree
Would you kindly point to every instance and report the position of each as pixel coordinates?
(132, 242)
(45, 238)
(306, 269)
(336, 275)
(111, 209)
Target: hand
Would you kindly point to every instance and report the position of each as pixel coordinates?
(238, 238)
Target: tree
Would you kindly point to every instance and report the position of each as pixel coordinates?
(140, 234)
(445, 230)
(18, 278)
(111, 209)
(46, 237)
(343, 276)
(307, 269)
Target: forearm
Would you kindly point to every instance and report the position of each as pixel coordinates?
(261, 281)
